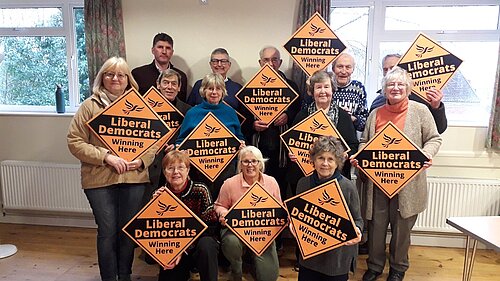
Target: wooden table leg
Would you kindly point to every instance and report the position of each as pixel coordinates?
(469, 259)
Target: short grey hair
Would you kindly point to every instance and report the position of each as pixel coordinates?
(213, 79)
(328, 144)
(256, 152)
(397, 73)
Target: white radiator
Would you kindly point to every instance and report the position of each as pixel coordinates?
(454, 197)
(38, 187)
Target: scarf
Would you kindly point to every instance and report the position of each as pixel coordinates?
(316, 181)
(333, 111)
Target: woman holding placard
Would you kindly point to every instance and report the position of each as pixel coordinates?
(251, 169)
(327, 155)
(114, 187)
(400, 211)
(321, 87)
(212, 90)
(202, 253)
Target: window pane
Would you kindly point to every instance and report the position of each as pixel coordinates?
(31, 17)
(351, 26)
(468, 94)
(83, 72)
(442, 18)
(30, 67)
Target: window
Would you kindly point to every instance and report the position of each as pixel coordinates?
(468, 29)
(42, 45)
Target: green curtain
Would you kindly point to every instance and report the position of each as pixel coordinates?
(104, 35)
(493, 140)
(306, 10)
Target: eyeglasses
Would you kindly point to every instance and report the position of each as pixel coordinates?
(217, 61)
(111, 75)
(393, 85)
(248, 162)
(173, 169)
(273, 60)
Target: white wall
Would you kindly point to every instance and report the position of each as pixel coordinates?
(242, 27)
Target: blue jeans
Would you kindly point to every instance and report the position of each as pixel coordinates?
(113, 206)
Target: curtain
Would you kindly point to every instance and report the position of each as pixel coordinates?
(104, 35)
(307, 8)
(493, 140)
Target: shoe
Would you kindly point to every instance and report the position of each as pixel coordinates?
(363, 249)
(395, 275)
(371, 275)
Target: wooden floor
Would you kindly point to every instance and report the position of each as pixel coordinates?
(57, 253)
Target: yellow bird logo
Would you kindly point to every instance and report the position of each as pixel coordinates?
(165, 208)
(210, 130)
(267, 80)
(317, 126)
(423, 50)
(316, 29)
(131, 107)
(154, 103)
(389, 141)
(257, 199)
(327, 199)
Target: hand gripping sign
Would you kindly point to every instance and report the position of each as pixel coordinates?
(314, 45)
(429, 65)
(211, 146)
(300, 137)
(390, 159)
(267, 95)
(257, 218)
(165, 228)
(168, 113)
(129, 126)
(321, 219)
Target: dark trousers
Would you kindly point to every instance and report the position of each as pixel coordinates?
(113, 207)
(385, 212)
(204, 256)
(306, 274)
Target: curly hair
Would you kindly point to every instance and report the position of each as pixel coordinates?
(328, 144)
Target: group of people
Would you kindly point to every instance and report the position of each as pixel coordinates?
(116, 189)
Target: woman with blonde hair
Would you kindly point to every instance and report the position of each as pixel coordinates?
(114, 187)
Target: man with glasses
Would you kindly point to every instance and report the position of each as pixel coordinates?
(219, 63)
(162, 50)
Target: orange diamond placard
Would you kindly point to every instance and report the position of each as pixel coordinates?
(267, 95)
(321, 219)
(211, 146)
(167, 111)
(314, 45)
(299, 138)
(429, 64)
(129, 126)
(165, 228)
(257, 218)
(390, 159)
(241, 118)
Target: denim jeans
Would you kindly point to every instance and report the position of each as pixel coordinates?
(113, 206)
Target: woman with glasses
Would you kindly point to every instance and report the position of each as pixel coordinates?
(327, 156)
(114, 187)
(204, 252)
(400, 211)
(250, 170)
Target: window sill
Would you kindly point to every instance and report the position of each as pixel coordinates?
(34, 113)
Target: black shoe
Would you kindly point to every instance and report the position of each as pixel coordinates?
(395, 275)
(371, 275)
(363, 249)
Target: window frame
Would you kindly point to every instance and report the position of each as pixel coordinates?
(376, 25)
(68, 31)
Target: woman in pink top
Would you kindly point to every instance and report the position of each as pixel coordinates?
(251, 170)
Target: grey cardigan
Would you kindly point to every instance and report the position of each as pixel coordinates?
(421, 129)
(340, 260)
